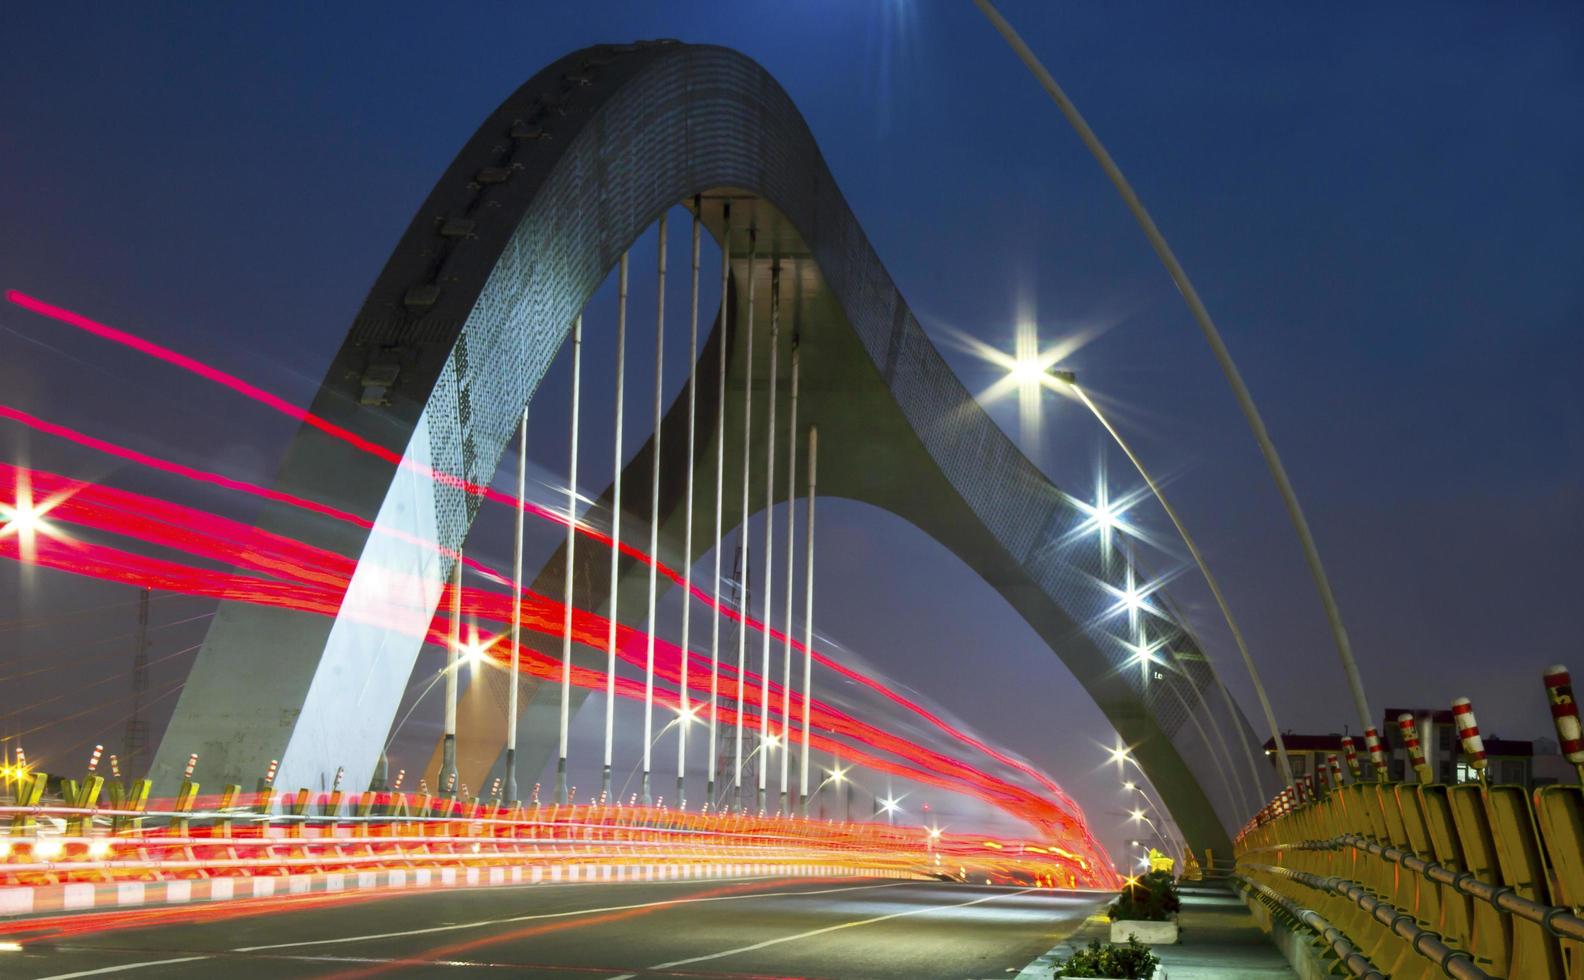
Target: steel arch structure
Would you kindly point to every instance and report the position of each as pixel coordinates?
(459, 329)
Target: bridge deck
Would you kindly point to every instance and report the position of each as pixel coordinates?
(762, 927)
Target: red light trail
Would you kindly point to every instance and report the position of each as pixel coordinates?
(230, 381)
(315, 581)
(240, 546)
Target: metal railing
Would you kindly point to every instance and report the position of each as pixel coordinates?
(1424, 879)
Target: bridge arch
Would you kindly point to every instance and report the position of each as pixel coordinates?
(456, 335)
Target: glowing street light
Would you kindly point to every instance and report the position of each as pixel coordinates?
(474, 649)
(21, 519)
(889, 807)
(24, 519)
(1104, 516)
(1218, 347)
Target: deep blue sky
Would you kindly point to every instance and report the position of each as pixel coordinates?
(1383, 209)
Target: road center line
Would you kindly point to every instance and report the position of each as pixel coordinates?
(125, 966)
(482, 923)
(844, 925)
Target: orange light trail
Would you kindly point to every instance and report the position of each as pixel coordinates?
(307, 417)
(320, 581)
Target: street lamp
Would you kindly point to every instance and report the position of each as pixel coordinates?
(1218, 347)
(1069, 380)
(1031, 371)
(889, 807)
(838, 776)
(24, 519)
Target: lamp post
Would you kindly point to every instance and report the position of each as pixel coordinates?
(1069, 380)
(836, 774)
(1218, 347)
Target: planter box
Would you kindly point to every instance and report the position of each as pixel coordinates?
(1159, 974)
(1149, 933)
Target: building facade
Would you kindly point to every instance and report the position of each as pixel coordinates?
(1509, 762)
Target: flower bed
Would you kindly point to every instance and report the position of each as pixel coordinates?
(1128, 961)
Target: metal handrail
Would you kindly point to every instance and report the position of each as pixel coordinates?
(1455, 963)
(1558, 920)
(1354, 961)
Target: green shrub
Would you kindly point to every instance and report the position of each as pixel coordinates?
(1148, 898)
(1131, 962)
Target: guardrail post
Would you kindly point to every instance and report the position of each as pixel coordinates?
(1490, 938)
(363, 807)
(1522, 868)
(297, 808)
(180, 825)
(1457, 911)
(1560, 811)
(84, 796)
(1401, 888)
(136, 800)
(1428, 895)
(27, 790)
(227, 802)
(330, 803)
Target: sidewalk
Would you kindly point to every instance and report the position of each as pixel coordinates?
(1220, 941)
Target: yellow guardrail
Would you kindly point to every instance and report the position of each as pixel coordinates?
(1429, 880)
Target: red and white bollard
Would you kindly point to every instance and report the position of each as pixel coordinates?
(1565, 714)
(1410, 737)
(1377, 753)
(1350, 753)
(1336, 770)
(93, 760)
(1468, 731)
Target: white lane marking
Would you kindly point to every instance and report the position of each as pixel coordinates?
(844, 925)
(125, 966)
(555, 915)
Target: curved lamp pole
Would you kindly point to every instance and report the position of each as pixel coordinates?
(1070, 382)
(1217, 346)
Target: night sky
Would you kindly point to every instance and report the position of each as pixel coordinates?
(1383, 210)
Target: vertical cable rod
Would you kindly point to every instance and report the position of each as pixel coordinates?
(720, 499)
(654, 518)
(742, 533)
(615, 548)
(571, 546)
(765, 743)
(685, 717)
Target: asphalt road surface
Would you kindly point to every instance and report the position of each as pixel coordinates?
(780, 927)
